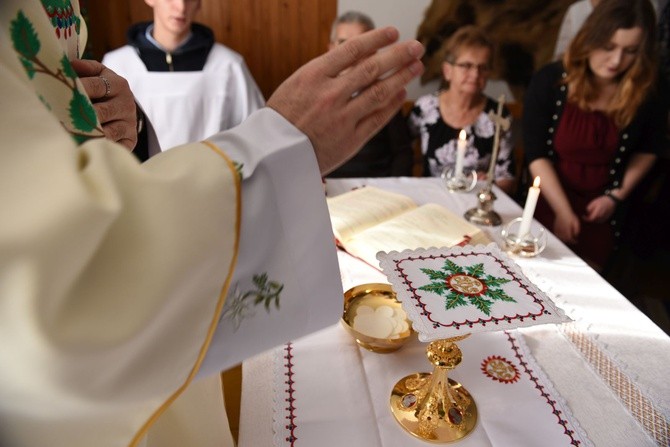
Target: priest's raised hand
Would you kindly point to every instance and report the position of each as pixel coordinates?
(340, 109)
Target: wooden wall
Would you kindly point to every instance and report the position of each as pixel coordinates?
(274, 36)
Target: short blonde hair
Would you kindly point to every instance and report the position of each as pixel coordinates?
(466, 37)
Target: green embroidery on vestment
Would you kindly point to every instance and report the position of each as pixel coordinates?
(24, 37)
(82, 112)
(463, 286)
(26, 43)
(239, 305)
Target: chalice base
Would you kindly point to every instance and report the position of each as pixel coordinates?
(457, 420)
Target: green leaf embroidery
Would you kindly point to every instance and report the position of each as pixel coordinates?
(482, 304)
(239, 305)
(434, 274)
(82, 112)
(435, 287)
(28, 66)
(455, 296)
(475, 270)
(66, 66)
(24, 37)
(453, 300)
(500, 295)
(492, 281)
(450, 266)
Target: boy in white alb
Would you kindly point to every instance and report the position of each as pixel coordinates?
(189, 86)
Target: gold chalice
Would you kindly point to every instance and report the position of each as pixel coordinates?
(431, 406)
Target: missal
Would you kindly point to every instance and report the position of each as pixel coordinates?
(369, 219)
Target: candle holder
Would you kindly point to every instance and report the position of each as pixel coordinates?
(483, 214)
(463, 182)
(529, 245)
(433, 407)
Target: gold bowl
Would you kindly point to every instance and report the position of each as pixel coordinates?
(375, 318)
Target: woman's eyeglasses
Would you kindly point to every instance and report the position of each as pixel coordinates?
(467, 66)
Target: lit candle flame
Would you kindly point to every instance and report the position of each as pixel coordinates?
(536, 182)
(462, 136)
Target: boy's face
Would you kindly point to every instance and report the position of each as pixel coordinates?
(174, 16)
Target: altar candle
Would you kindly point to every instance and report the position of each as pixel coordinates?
(460, 153)
(529, 208)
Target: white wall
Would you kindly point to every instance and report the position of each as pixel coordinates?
(406, 15)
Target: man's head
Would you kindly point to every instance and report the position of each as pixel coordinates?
(173, 17)
(348, 25)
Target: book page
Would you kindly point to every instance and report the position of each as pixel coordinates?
(362, 208)
(430, 225)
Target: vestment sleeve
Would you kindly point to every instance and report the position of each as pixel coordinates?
(286, 243)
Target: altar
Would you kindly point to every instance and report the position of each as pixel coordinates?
(600, 379)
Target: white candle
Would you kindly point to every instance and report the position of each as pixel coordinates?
(529, 208)
(460, 153)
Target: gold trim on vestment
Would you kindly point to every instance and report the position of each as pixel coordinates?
(219, 307)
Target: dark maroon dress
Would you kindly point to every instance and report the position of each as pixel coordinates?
(585, 145)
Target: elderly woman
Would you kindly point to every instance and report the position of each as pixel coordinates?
(592, 126)
(439, 117)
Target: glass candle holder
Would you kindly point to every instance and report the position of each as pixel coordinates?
(463, 182)
(529, 245)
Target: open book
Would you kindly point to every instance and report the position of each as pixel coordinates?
(368, 220)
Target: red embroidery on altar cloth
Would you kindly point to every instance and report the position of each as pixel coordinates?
(500, 369)
(290, 399)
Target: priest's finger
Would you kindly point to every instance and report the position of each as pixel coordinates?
(381, 64)
(86, 67)
(354, 50)
(383, 90)
(97, 87)
(120, 132)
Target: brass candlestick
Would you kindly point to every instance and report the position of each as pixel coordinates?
(433, 407)
(484, 214)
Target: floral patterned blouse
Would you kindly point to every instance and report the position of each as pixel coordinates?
(439, 139)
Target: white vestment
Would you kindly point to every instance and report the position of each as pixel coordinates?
(115, 276)
(186, 106)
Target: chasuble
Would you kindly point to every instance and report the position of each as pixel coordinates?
(119, 280)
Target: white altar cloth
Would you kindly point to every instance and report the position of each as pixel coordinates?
(610, 365)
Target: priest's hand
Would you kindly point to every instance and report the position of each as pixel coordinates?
(342, 98)
(112, 99)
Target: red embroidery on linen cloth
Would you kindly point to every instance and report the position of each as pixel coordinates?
(543, 392)
(500, 369)
(290, 400)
